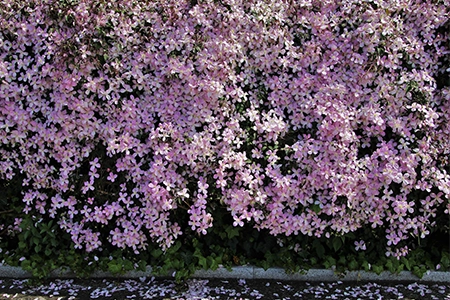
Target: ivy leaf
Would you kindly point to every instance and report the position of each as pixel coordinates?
(265, 265)
(365, 264)
(114, 267)
(128, 265)
(377, 269)
(232, 232)
(214, 264)
(329, 262)
(390, 266)
(142, 265)
(419, 271)
(202, 262)
(406, 263)
(26, 265)
(445, 261)
(353, 265)
(156, 253)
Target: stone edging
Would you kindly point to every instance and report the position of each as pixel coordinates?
(250, 272)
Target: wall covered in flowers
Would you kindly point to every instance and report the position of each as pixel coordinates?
(186, 134)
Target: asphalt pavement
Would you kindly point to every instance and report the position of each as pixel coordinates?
(241, 283)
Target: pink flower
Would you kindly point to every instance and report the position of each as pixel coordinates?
(319, 131)
(202, 186)
(88, 186)
(94, 165)
(238, 221)
(360, 245)
(40, 206)
(112, 177)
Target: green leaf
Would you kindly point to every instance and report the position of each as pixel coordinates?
(337, 243)
(44, 228)
(128, 265)
(315, 208)
(405, 261)
(36, 240)
(377, 269)
(180, 275)
(142, 265)
(114, 267)
(22, 245)
(353, 265)
(419, 271)
(430, 264)
(175, 247)
(265, 265)
(70, 258)
(54, 242)
(214, 264)
(342, 261)
(51, 234)
(156, 253)
(210, 261)
(35, 232)
(365, 264)
(320, 250)
(445, 261)
(26, 265)
(202, 263)
(390, 266)
(329, 262)
(232, 231)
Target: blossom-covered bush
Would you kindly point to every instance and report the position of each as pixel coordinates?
(309, 118)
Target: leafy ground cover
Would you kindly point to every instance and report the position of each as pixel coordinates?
(150, 288)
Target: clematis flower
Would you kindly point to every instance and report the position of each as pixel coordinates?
(286, 113)
(360, 245)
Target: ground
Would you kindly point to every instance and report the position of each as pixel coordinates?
(151, 288)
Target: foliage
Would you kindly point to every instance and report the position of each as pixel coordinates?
(193, 134)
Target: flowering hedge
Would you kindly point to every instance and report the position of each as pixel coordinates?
(308, 118)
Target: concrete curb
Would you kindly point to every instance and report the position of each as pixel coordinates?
(250, 272)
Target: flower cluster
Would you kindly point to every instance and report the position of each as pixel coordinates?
(301, 117)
